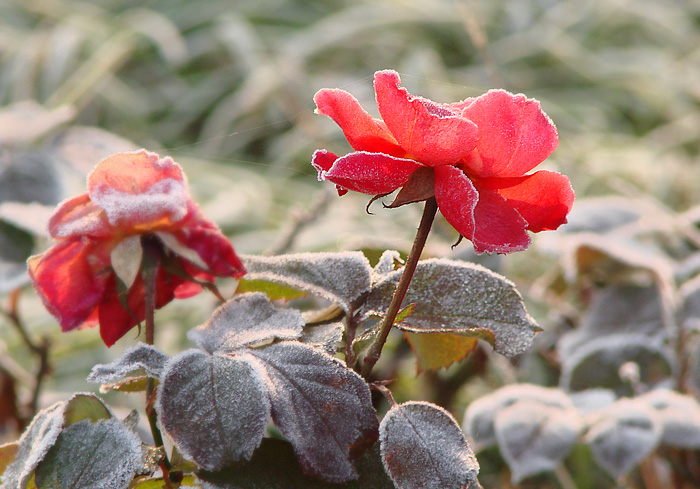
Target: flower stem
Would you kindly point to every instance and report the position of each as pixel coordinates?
(426, 223)
(149, 272)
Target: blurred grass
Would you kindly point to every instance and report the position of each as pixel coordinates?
(226, 88)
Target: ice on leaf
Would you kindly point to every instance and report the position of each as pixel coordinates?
(472, 301)
(480, 415)
(138, 357)
(623, 434)
(339, 277)
(87, 455)
(534, 437)
(245, 320)
(423, 448)
(680, 416)
(213, 407)
(323, 408)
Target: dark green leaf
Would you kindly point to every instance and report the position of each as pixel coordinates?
(323, 408)
(460, 298)
(89, 455)
(338, 277)
(141, 358)
(423, 448)
(246, 320)
(214, 407)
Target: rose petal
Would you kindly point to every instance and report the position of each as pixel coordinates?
(370, 173)
(323, 160)
(115, 321)
(139, 191)
(543, 199)
(71, 278)
(456, 198)
(429, 132)
(363, 132)
(79, 216)
(514, 135)
(204, 238)
(499, 228)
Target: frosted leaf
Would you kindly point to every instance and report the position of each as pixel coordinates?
(339, 277)
(134, 358)
(680, 415)
(126, 259)
(461, 298)
(25, 121)
(213, 407)
(480, 415)
(32, 217)
(28, 176)
(34, 444)
(274, 465)
(87, 455)
(324, 336)
(623, 434)
(533, 437)
(604, 214)
(423, 448)
(385, 265)
(245, 320)
(592, 399)
(597, 363)
(323, 408)
(615, 310)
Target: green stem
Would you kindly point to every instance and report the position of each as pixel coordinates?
(426, 223)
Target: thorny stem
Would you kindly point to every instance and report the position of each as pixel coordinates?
(41, 350)
(426, 223)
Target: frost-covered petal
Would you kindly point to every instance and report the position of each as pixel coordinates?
(79, 216)
(515, 135)
(322, 160)
(363, 132)
(203, 238)
(543, 199)
(456, 197)
(139, 190)
(499, 227)
(71, 279)
(370, 173)
(115, 321)
(429, 132)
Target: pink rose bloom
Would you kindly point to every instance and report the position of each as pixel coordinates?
(473, 156)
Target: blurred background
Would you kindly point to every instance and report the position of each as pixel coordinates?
(226, 88)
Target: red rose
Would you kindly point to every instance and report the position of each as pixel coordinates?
(132, 199)
(473, 156)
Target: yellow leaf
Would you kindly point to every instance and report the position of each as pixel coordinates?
(437, 350)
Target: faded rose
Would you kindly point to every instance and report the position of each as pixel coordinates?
(133, 199)
(473, 156)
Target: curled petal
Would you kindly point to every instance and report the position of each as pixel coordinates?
(323, 160)
(543, 199)
(79, 216)
(499, 227)
(201, 236)
(71, 279)
(456, 198)
(139, 191)
(363, 132)
(514, 135)
(429, 132)
(370, 173)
